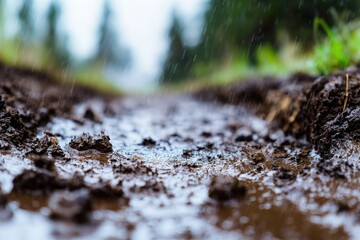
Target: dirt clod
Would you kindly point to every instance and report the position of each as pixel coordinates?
(223, 188)
(72, 206)
(322, 116)
(91, 115)
(43, 162)
(106, 190)
(132, 166)
(47, 145)
(35, 182)
(148, 142)
(100, 142)
(40, 182)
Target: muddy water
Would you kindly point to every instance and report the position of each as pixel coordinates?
(166, 149)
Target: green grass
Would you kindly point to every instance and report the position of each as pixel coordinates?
(37, 57)
(287, 60)
(337, 50)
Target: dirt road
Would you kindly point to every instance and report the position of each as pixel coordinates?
(262, 159)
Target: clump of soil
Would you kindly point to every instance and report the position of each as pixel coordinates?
(72, 206)
(91, 115)
(325, 119)
(100, 142)
(15, 127)
(47, 145)
(30, 99)
(40, 182)
(223, 188)
(43, 162)
(132, 166)
(147, 176)
(152, 185)
(148, 142)
(106, 190)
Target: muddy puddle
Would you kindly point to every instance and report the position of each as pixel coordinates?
(182, 166)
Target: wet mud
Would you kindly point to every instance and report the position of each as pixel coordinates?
(270, 158)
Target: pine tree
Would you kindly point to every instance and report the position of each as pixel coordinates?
(52, 21)
(26, 21)
(55, 43)
(180, 57)
(2, 19)
(108, 49)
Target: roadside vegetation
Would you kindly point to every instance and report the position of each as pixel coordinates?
(50, 51)
(242, 39)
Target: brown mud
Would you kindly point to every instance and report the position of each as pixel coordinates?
(270, 158)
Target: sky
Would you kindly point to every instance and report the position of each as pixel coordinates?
(142, 26)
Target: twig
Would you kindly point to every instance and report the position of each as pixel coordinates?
(346, 92)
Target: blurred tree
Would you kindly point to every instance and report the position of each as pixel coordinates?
(180, 57)
(2, 19)
(108, 49)
(231, 26)
(52, 21)
(56, 44)
(26, 22)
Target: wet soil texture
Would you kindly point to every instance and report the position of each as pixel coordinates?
(271, 158)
